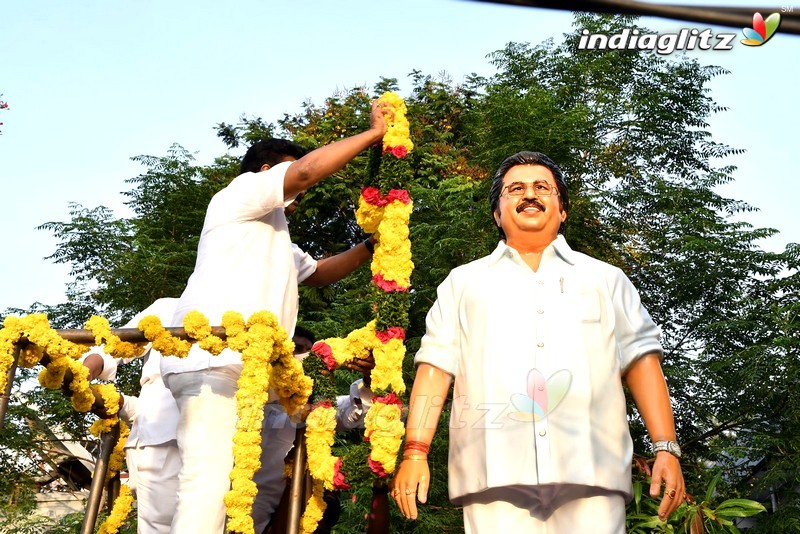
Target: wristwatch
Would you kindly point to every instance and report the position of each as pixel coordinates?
(671, 447)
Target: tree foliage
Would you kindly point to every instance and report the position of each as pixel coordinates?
(630, 130)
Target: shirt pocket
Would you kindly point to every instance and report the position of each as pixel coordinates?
(586, 305)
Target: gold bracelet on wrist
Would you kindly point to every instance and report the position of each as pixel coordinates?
(416, 457)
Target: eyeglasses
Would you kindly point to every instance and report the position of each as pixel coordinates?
(540, 189)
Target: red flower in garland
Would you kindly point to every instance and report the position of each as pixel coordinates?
(372, 195)
(398, 194)
(324, 352)
(390, 398)
(338, 476)
(377, 468)
(393, 332)
(322, 404)
(387, 285)
(397, 151)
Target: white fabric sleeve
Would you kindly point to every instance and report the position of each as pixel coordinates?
(306, 265)
(128, 410)
(635, 331)
(251, 196)
(109, 371)
(351, 409)
(440, 344)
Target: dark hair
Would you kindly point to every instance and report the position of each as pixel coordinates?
(299, 331)
(527, 158)
(270, 151)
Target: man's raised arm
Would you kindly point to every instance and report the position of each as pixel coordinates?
(324, 161)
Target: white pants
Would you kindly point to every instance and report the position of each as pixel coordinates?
(207, 404)
(557, 514)
(153, 476)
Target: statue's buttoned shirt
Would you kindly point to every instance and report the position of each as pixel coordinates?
(537, 359)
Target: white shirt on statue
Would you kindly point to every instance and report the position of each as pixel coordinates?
(537, 359)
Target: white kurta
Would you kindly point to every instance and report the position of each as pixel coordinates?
(537, 359)
(245, 263)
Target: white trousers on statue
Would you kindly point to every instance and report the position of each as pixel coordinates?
(153, 475)
(555, 510)
(207, 404)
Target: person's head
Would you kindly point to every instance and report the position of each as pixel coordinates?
(303, 340)
(270, 152)
(526, 168)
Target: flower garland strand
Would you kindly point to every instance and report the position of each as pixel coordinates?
(387, 216)
(63, 356)
(267, 343)
(119, 513)
(315, 507)
(268, 360)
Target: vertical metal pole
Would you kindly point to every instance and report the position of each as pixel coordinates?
(112, 492)
(10, 382)
(297, 493)
(107, 443)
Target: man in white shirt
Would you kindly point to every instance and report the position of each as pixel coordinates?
(151, 452)
(244, 263)
(538, 339)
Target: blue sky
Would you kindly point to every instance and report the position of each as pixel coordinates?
(93, 83)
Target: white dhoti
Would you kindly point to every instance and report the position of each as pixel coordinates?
(207, 404)
(556, 509)
(153, 475)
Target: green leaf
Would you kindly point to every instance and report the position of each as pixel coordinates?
(739, 508)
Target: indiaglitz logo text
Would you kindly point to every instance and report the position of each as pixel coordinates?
(684, 40)
(660, 43)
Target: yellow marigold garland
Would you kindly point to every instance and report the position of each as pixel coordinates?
(30, 355)
(388, 372)
(263, 343)
(197, 327)
(315, 507)
(251, 396)
(163, 341)
(41, 339)
(113, 345)
(119, 513)
(397, 134)
(109, 396)
(9, 336)
(387, 216)
(385, 431)
(320, 427)
(115, 462)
